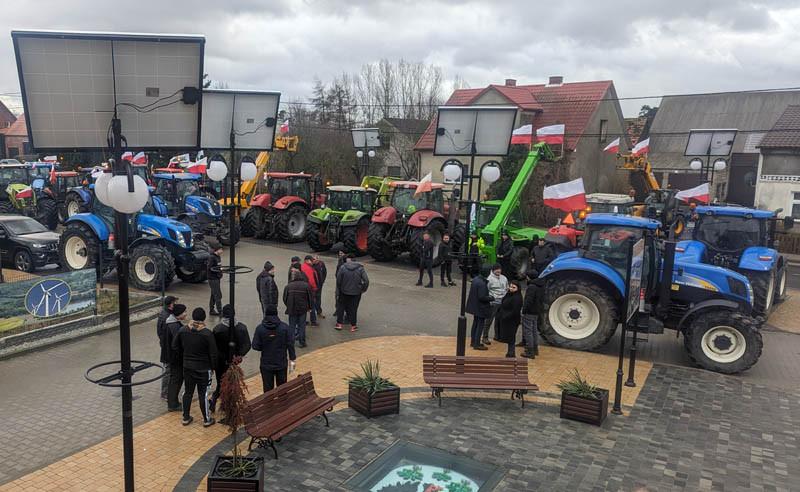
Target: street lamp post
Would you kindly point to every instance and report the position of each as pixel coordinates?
(365, 140)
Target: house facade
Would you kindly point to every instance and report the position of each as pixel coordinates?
(778, 183)
(398, 157)
(15, 139)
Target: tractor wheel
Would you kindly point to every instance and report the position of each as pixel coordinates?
(291, 224)
(436, 230)
(228, 239)
(23, 261)
(780, 285)
(73, 204)
(378, 244)
(151, 265)
(580, 314)
(190, 276)
(7, 207)
(356, 238)
(47, 213)
(246, 224)
(459, 238)
(258, 218)
(79, 247)
(724, 341)
(317, 240)
(519, 262)
(763, 291)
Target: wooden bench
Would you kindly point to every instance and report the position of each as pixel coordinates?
(447, 371)
(276, 413)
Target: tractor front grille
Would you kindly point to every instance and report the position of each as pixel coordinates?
(187, 236)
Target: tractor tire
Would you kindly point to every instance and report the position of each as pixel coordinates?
(7, 207)
(317, 240)
(377, 244)
(192, 276)
(763, 284)
(436, 230)
(724, 341)
(780, 284)
(151, 266)
(79, 247)
(459, 238)
(579, 314)
(246, 224)
(47, 213)
(23, 261)
(356, 238)
(227, 239)
(290, 226)
(519, 262)
(258, 219)
(73, 204)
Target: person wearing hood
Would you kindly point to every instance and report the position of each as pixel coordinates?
(214, 280)
(299, 300)
(509, 318)
(295, 264)
(267, 288)
(479, 306)
(322, 274)
(274, 340)
(161, 331)
(351, 282)
(172, 326)
(230, 350)
(199, 349)
(531, 309)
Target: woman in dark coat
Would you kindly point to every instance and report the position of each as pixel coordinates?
(478, 305)
(509, 317)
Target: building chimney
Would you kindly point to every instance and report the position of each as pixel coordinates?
(556, 80)
(511, 82)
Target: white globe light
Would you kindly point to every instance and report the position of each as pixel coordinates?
(719, 165)
(696, 164)
(452, 172)
(360, 154)
(125, 201)
(217, 170)
(101, 188)
(371, 153)
(248, 171)
(490, 174)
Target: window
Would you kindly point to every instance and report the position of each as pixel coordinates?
(394, 171)
(796, 204)
(603, 130)
(13, 151)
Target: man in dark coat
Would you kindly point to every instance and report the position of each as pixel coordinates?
(169, 303)
(228, 351)
(351, 282)
(322, 275)
(267, 288)
(274, 340)
(342, 259)
(509, 317)
(295, 264)
(531, 309)
(214, 279)
(199, 349)
(542, 255)
(299, 300)
(313, 281)
(426, 260)
(479, 306)
(446, 268)
(172, 326)
(504, 253)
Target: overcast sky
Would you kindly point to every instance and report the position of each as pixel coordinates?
(675, 46)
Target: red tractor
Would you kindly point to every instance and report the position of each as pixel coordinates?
(399, 227)
(281, 212)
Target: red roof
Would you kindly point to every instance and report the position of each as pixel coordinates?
(571, 104)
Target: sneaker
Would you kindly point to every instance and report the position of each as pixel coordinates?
(480, 347)
(444, 284)
(209, 422)
(452, 284)
(353, 329)
(174, 409)
(186, 421)
(418, 283)
(429, 286)
(339, 326)
(314, 324)
(486, 341)
(527, 355)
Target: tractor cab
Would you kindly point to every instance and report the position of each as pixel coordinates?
(11, 173)
(174, 189)
(607, 239)
(343, 198)
(407, 202)
(280, 185)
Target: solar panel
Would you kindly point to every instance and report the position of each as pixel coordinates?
(710, 142)
(71, 82)
(366, 137)
(251, 114)
(490, 126)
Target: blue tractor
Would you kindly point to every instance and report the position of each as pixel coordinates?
(743, 240)
(710, 305)
(185, 200)
(160, 247)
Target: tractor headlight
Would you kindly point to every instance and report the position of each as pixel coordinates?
(738, 287)
(39, 246)
(178, 238)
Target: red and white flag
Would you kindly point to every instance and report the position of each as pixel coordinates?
(197, 167)
(569, 196)
(698, 193)
(50, 158)
(522, 135)
(26, 192)
(613, 147)
(642, 147)
(551, 135)
(140, 158)
(127, 156)
(285, 127)
(179, 159)
(425, 184)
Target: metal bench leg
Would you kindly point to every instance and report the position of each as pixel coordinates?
(326, 419)
(272, 445)
(250, 446)
(263, 443)
(439, 395)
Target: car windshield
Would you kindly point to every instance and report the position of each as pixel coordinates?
(485, 215)
(13, 175)
(729, 233)
(405, 201)
(610, 244)
(344, 200)
(20, 227)
(40, 172)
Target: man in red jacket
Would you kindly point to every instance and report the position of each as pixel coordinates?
(313, 281)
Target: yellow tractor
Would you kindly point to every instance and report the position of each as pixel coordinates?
(651, 199)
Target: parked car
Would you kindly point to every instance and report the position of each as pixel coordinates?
(27, 244)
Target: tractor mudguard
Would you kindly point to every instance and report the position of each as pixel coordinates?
(263, 200)
(705, 305)
(161, 226)
(758, 259)
(713, 278)
(571, 261)
(424, 217)
(319, 215)
(203, 205)
(96, 223)
(385, 215)
(287, 201)
(85, 195)
(690, 251)
(351, 217)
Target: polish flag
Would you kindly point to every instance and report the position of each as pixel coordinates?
(127, 156)
(569, 196)
(26, 192)
(613, 147)
(642, 147)
(425, 184)
(698, 193)
(522, 135)
(52, 173)
(552, 135)
(140, 158)
(50, 158)
(197, 167)
(285, 127)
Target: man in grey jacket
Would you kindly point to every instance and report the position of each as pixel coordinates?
(498, 287)
(351, 282)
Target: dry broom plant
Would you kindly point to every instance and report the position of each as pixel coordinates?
(232, 403)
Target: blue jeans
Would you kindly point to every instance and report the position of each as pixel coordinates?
(298, 326)
(477, 331)
(314, 307)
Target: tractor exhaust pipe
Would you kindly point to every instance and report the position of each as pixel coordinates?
(665, 286)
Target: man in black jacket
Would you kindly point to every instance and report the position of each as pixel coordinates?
(322, 274)
(299, 300)
(228, 351)
(267, 288)
(426, 260)
(169, 304)
(504, 253)
(531, 309)
(479, 306)
(214, 279)
(296, 264)
(542, 255)
(274, 340)
(172, 326)
(446, 268)
(199, 349)
(351, 282)
(341, 260)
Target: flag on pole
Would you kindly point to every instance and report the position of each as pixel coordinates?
(473, 218)
(569, 196)
(613, 147)
(197, 167)
(285, 127)
(178, 160)
(522, 135)
(26, 192)
(642, 147)
(52, 173)
(698, 193)
(551, 135)
(50, 158)
(425, 184)
(140, 158)
(127, 156)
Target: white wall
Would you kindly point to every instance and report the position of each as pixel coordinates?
(775, 191)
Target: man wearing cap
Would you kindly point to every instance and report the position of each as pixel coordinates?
(172, 326)
(166, 311)
(199, 349)
(267, 288)
(274, 340)
(214, 279)
(313, 281)
(295, 264)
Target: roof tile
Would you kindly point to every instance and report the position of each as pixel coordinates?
(785, 134)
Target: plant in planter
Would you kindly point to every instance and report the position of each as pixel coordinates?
(235, 472)
(581, 400)
(371, 395)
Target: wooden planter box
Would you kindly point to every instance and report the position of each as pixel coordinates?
(380, 403)
(218, 483)
(589, 410)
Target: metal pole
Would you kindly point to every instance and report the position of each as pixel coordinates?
(461, 332)
(618, 388)
(631, 383)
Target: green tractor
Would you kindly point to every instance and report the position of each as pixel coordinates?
(345, 217)
(495, 216)
(21, 196)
